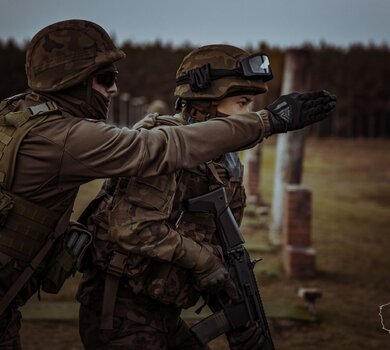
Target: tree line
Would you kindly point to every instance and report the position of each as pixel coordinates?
(359, 75)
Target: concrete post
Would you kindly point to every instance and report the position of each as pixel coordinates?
(290, 146)
(298, 253)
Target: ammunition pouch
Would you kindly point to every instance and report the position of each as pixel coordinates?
(66, 257)
(24, 227)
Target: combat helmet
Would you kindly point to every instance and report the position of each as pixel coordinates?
(214, 71)
(65, 53)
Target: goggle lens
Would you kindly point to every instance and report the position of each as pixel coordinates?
(260, 64)
(257, 65)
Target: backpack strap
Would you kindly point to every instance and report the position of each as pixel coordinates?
(10, 100)
(15, 126)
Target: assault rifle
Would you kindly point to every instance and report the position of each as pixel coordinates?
(248, 311)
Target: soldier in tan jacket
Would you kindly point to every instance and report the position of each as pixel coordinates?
(150, 257)
(54, 138)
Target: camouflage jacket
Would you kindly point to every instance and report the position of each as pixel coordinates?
(145, 217)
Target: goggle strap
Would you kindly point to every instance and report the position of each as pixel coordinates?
(200, 78)
(212, 74)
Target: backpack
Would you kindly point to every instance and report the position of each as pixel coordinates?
(29, 232)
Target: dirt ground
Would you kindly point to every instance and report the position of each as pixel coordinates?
(350, 182)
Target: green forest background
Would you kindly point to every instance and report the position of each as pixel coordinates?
(359, 75)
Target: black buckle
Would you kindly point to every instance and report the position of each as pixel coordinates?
(117, 264)
(200, 78)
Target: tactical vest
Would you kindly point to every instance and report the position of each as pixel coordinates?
(161, 281)
(24, 225)
(29, 232)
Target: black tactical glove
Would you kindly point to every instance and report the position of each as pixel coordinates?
(209, 271)
(212, 275)
(297, 110)
(251, 338)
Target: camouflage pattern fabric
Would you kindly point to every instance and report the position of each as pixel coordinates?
(219, 57)
(147, 220)
(64, 54)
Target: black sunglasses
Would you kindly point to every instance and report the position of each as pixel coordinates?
(107, 79)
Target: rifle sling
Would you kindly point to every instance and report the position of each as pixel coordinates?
(114, 273)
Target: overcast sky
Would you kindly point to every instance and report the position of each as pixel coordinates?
(239, 22)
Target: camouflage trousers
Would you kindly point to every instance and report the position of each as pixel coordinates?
(129, 334)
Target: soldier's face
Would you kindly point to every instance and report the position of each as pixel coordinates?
(235, 104)
(104, 90)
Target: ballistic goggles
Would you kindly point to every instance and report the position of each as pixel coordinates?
(107, 76)
(256, 66)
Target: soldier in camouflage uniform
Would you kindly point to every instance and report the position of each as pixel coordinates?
(54, 138)
(150, 257)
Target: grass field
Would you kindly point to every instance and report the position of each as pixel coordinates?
(350, 182)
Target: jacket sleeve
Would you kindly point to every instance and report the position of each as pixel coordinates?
(138, 222)
(98, 150)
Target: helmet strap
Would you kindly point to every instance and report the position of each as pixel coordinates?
(213, 110)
